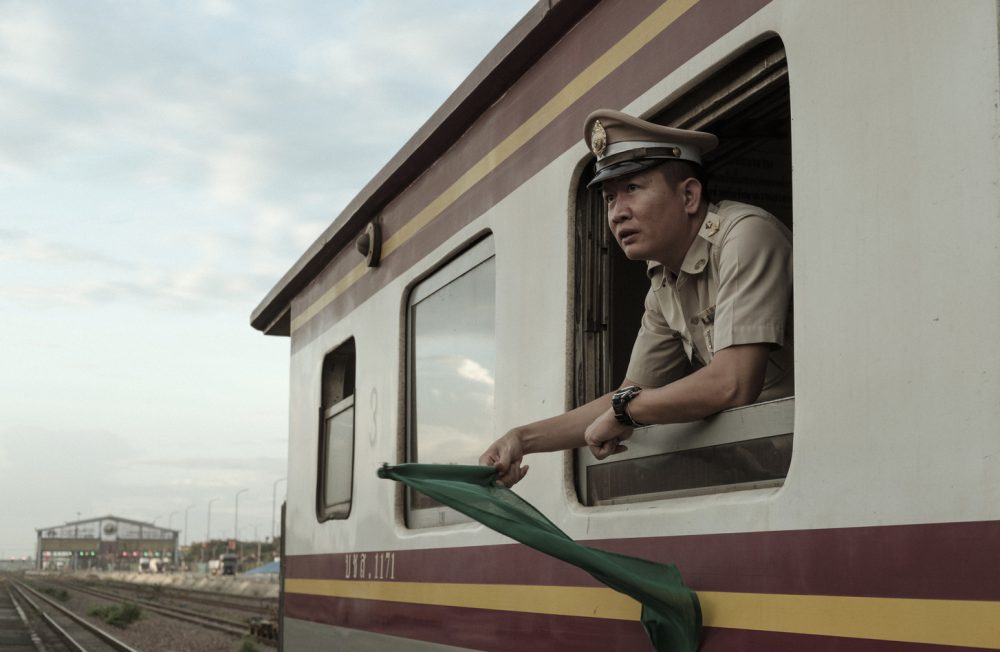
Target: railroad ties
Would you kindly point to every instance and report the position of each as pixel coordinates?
(38, 617)
(16, 632)
(47, 625)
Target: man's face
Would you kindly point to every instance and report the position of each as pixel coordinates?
(648, 217)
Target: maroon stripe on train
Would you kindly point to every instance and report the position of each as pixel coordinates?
(480, 629)
(688, 35)
(947, 561)
(491, 630)
(743, 640)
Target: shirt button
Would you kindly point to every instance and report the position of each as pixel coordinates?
(700, 263)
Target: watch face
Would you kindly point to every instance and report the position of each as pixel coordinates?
(618, 402)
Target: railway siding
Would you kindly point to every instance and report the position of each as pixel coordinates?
(16, 632)
(154, 631)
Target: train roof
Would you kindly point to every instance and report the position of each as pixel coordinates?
(532, 36)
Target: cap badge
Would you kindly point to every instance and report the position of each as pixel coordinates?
(598, 139)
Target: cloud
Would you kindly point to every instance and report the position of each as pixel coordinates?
(96, 472)
(472, 370)
(20, 247)
(162, 165)
(79, 276)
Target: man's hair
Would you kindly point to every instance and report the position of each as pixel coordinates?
(677, 171)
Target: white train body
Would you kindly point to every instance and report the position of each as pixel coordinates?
(886, 528)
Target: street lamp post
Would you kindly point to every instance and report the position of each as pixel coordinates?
(170, 524)
(187, 539)
(236, 519)
(274, 503)
(208, 532)
(76, 535)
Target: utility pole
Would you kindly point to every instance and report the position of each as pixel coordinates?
(208, 532)
(187, 539)
(236, 524)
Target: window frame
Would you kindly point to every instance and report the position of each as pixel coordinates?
(457, 264)
(337, 373)
(752, 79)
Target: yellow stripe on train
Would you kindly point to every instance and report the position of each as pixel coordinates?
(968, 623)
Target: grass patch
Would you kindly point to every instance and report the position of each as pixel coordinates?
(247, 646)
(119, 615)
(59, 594)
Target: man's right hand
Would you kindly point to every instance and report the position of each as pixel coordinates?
(505, 455)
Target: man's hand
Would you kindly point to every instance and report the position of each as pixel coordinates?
(605, 435)
(505, 455)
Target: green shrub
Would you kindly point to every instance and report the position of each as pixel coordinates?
(247, 646)
(59, 594)
(119, 615)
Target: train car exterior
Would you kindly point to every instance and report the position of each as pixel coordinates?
(862, 514)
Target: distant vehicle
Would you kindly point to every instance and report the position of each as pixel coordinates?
(214, 566)
(144, 566)
(229, 561)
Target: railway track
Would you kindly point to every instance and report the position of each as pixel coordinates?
(63, 629)
(17, 632)
(253, 617)
(254, 605)
(229, 626)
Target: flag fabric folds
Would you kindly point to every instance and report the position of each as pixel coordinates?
(671, 613)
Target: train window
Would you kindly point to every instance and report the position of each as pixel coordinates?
(746, 104)
(451, 364)
(335, 480)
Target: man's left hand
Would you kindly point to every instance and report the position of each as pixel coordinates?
(605, 435)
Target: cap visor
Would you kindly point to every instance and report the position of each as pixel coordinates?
(624, 169)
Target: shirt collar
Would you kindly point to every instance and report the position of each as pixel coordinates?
(697, 255)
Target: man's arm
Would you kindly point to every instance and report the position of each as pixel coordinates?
(561, 432)
(733, 378)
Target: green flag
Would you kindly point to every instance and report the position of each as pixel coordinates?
(670, 611)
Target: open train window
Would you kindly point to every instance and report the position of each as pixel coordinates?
(335, 480)
(451, 365)
(746, 104)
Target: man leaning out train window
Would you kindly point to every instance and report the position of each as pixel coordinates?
(716, 331)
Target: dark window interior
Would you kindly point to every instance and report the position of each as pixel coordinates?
(745, 102)
(335, 477)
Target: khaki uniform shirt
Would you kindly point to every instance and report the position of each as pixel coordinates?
(734, 287)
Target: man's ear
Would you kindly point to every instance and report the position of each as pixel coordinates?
(691, 188)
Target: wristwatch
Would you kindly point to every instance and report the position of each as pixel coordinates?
(619, 403)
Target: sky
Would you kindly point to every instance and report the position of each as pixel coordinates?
(162, 165)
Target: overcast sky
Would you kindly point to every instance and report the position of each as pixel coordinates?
(162, 164)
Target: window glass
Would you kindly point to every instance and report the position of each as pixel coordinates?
(339, 433)
(335, 478)
(452, 364)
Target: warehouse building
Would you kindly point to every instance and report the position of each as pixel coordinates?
(106, 543)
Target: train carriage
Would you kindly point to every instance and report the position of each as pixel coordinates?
(471, 286)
